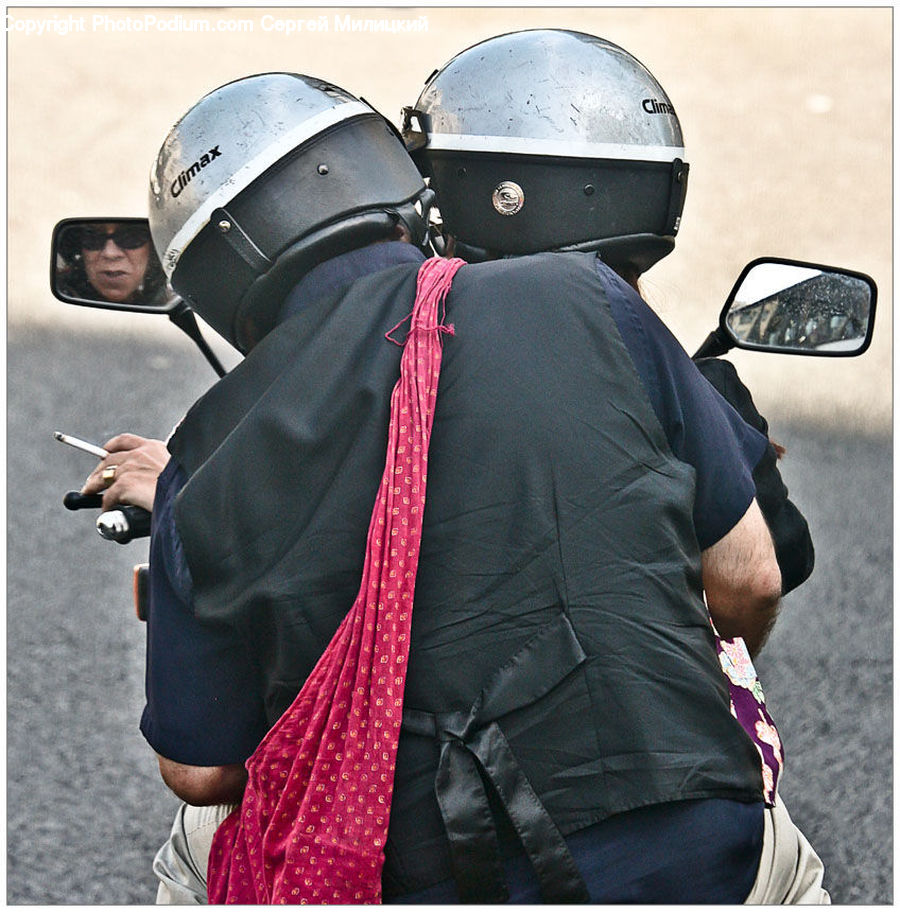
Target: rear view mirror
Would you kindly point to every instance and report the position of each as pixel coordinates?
(800, 308)
(109, 263)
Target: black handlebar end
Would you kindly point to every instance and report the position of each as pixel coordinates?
(75, 500)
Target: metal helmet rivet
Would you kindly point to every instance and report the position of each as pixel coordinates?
(508, 198)
(322, 169)
(224, 226)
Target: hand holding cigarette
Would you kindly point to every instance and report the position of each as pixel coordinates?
(128, 470)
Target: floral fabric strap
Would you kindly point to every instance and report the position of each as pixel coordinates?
(314, 818)
(748, 706)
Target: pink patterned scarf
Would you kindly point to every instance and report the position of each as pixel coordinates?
(314, 818)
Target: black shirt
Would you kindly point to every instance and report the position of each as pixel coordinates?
(197, 683)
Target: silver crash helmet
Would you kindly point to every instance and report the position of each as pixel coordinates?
(262, 179)
(550, 139)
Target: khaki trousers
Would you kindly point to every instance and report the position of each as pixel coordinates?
(790, 872)
(181, 863)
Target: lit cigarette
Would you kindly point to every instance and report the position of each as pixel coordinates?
(91, 448)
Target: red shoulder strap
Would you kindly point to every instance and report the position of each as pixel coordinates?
(314, 818)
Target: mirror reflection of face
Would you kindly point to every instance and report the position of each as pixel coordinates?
(115, 259)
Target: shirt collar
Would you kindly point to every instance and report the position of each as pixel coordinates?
(340, 272)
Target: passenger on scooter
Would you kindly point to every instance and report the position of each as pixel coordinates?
(586, 155)
(553, 489)
(588, 119)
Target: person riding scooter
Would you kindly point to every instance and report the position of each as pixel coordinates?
(557, 514)
(588, 155)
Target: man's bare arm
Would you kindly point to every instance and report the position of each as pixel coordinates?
(742, 581)
(204, 785)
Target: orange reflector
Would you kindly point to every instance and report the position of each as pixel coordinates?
(141, 590)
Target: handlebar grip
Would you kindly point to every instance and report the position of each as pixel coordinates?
(75, 500)
(124, 524)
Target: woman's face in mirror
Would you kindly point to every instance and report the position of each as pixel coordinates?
(115, 259)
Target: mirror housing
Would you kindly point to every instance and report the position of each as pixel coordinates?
(798, 308)
(109, 263)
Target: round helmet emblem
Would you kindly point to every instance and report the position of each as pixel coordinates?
(508, 198)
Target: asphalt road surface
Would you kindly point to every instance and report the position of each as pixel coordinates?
(86, 810)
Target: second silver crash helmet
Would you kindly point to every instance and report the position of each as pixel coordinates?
(262, 179)
(551, 139)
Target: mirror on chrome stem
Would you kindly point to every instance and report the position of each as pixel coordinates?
(800, 308)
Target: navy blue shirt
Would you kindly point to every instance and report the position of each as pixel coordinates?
(703, 430)
(199, 677)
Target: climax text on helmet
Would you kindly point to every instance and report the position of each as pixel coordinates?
(652, 106)
(185, 177)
